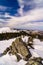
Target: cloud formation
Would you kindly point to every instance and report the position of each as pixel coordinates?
(32, 17)
(28, 15)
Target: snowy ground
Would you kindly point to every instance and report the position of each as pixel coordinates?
(38, 51)
(12, 60)
(5, 43)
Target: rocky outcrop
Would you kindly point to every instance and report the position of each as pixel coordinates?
(18, 47)
(21, 50)
(21, 47)
(35, 61)
(30, 42)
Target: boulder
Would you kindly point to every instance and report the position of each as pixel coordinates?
(21, 48)
(30, 42)
(35, 61)
(18, 46)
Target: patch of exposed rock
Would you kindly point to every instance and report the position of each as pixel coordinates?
(35, 61)
(18, 46)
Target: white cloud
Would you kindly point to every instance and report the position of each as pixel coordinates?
(20, 11)
(35, 25)
(38, 1)
(1, 20)
(34, 15)
(1, 24)
(7, 15)
(21, 4)
(2, 8)
(4, 18)
(32, 4)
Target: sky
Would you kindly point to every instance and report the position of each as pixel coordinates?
(21, 14)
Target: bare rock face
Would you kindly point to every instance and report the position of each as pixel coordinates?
(30, 42)
(35, 61)
(18, 46)
(6, 50)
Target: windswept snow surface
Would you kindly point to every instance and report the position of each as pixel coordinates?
(38, 48)
(5, 43)
(12, 60)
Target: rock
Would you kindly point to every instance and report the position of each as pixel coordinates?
(21, 48)
(18, 46)
(35, 61)
(18, 57)
(5, 51)
(30, 42)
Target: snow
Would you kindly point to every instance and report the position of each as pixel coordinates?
(7, 60)
(6, 30)
(38, 45)
(5, 43)
(22, 62)
(38, 48)
(25, 38)
(12, 60)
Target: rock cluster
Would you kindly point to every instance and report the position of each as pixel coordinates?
(35, 61)
(18, 47)
(21, 50)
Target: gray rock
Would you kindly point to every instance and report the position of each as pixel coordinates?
(18, 46)
(21, 48)
(35, 61)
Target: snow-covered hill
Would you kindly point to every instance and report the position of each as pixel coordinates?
(7, 29)
(12, 60)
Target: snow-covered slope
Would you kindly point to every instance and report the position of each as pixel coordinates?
(5, 43)
(12, 60)
(7, 29)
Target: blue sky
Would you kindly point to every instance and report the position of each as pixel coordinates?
(24, 14)
(11, 6)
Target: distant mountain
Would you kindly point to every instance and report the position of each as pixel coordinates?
(6, 30)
